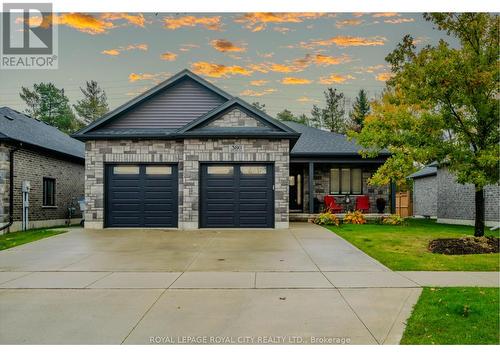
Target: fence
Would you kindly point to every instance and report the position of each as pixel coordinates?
(403, 204)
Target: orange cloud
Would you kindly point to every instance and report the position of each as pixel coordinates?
(188, 47)
(257, 21)
(218, 70)
(210, 23)
(385, 14)
(282, 29)
(133, 19)
(168, 56)
(117, 51)
(295, 80)
(335, 78)
(399, 20)
(252, 93)
(306, 100)
(156, 77)
(347, 41)
(83, 23)
(384, 76)
(226, 46)
(259, 83)
(324, 60)
(348, 22)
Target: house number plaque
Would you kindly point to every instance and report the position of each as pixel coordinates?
(236, 148)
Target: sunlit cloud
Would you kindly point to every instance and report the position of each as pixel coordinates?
(226, 46)
(133, 19)
(335, 78)
(208, 22)
(218, 70)
(370, 69)
(384, 76)
(155, 77)
(385, 14)
(349, 22)
(399, 20)
(307, 100)
(253, 93)
(346, 41)
(257, 21)
(186, 47)
(168, 56)
(282, 29)
(259, 82)
(295, 80)
(119, 50)
(325, 60)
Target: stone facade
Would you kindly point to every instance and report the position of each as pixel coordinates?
(322, 187)
(455, 202)
(425, 196)
(33, 167)
(235, 119)
(187, 154)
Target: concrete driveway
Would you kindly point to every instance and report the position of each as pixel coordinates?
(301, 285)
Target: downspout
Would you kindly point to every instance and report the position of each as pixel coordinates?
(11, 189)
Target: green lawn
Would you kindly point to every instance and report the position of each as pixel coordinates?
(10, 240)
(405, 247)
(454, 316)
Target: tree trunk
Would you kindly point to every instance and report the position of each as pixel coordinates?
(479, 222)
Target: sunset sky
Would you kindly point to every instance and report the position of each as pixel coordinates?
(284, 60)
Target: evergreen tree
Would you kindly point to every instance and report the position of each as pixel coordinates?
(94, 103)
(360, 109)
(334, 112)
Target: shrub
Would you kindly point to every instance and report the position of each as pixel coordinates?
(393, 219)
(326, 218)
(356, 217)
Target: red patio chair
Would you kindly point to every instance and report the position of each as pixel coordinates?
(331, 205)
(362, 203)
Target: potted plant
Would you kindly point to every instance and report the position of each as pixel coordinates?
(380, 205)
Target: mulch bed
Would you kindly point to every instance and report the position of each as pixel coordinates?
(466, 245)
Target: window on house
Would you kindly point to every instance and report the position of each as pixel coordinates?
(49, 191)
(345, 181)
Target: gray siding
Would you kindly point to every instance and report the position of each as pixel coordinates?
(456, 201)
(171, 108)
(425, 196)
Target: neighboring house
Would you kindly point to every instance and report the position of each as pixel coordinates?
(187, 154)
(436, 193)
(49, 161)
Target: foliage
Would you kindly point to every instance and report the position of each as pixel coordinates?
(286, 115)
(94, 103)
(316, 120)
(393, 219)
(10, 240)
(49, 104)
(360, 109)
(405, 247)
(327, 218)
(442, 104)
(459, 316)
(333, 115)
(260, 106)
(356, 217)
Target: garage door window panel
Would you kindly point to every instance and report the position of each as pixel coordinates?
(126, 170)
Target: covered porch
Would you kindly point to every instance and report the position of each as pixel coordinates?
(345, 179)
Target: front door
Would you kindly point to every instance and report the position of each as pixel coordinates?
(296, 183)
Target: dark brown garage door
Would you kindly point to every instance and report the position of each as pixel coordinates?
(141, 195)
(237, 195)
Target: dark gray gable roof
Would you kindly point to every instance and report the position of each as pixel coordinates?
(271, 125)
(315, 141)
(189, 84)
(22, 128)
(429, 170)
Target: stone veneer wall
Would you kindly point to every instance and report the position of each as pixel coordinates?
(425, 196)
(455, 202)
(235, 119)
(322, 187)
(188, 155)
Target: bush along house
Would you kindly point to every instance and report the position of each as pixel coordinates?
(188, 155)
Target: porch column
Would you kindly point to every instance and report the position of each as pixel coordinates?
(311, 187)
(393, 197)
